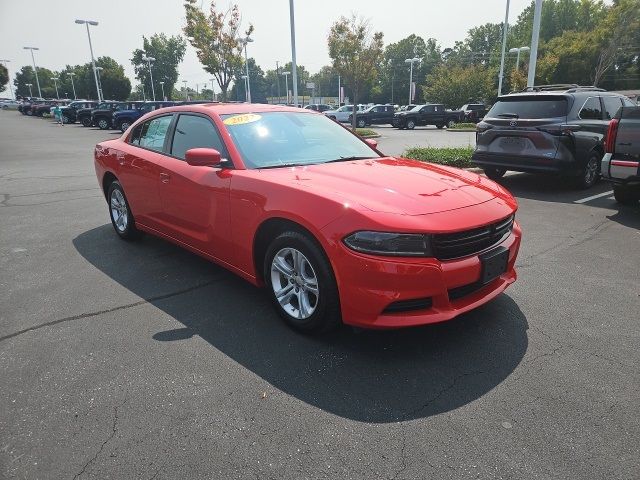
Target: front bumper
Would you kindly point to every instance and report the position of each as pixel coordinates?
(370, 286)
(620, 171)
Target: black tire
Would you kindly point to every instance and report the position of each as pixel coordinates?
(451, 123)
(103, 123)
(625, 195)
(411, 124)
(85, 121)
(125, 230)
(495, 173)
(326, 314)
(29, 113)
(361, 123)
(124, 125)
(65, 119)
(590, 174)
(439, 127)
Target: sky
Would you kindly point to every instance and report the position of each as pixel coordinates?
(49, 25)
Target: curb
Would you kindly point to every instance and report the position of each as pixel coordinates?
(461, 130)
(377, 135)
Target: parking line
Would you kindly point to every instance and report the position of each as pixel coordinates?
(593, 197)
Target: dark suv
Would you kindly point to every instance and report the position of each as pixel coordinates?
(547, 129)
(70, 112)
(102, 116)
(376, 115)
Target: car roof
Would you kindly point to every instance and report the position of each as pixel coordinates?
(237, 108)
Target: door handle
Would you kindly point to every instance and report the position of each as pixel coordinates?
(625, 144)
(164, 177)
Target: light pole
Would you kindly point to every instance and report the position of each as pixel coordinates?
(93, 62)
(339, 92)
(144, 97)
(246, 90)
(411, 61)
(162, 86)
(55, 83)
(197, 91)
(535, 35)
(29, 85)
(213, 93)
(505, 28)
(278, 82)
(244, 41)
(286, 82)
(294, 66)
(7, 67)
(71, 74)
(98, 70)
(35, 69)
(186, 91)
(149, 60)
(518, 50)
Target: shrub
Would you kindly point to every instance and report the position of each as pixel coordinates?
(465, 126)
(453, 157)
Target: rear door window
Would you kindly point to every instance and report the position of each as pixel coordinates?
(611, 106)
(591, 110)
(152, 134)
(533, 107)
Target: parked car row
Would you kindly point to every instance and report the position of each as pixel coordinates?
(557, 129)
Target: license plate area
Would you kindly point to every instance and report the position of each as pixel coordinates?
(494, 264)
(513, 142)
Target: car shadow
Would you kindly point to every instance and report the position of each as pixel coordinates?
(548, 188)
(367, 376)
(629, 216)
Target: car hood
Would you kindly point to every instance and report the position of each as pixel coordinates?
(393, 185)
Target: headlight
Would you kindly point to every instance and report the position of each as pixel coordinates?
(390, 244)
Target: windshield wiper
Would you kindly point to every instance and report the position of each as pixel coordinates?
(509, 115)
(348, 158)
(279, 165)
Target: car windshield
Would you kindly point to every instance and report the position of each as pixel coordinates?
(529, 107)
(278, 139)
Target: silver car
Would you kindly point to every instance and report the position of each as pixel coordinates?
(342, 113)
(9, 105)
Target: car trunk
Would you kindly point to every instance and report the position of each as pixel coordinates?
(525, 127)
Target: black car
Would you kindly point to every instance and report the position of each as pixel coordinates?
(85, 117)
(102, 116)
(376, 115)
(429, 114)
(547, 129)
(70, 112)
(474, 112)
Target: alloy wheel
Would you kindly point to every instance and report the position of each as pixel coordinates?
(591, 171)
(294, 283)
(119, 210)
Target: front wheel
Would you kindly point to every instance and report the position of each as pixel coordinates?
(301, 283)
(123, 126)
(626, 195)
(103, 124)
(86, 121)
(411, 124)
(495, 173)
(590, 173)
(121, 217)
(450, 123)
(439, 127)
(65, 119)
(361, 123)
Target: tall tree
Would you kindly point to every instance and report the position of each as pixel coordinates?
(215, 37)
(356, 54)
(454, 86)
(4, 78)
(115, 84)
(168, 53)
(258, 84)
(26, 75)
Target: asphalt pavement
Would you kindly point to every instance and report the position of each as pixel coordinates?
(140, 360)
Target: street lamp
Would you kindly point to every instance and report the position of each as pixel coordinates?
(35, 69)
(246, 91)
(213, 93)
(55, 82)
(29, 85)
(286, 81)
(149, 60)
(294, 65)
(411, 61)
(93, 62)
(535, 36)
(505, 28)
(186, 91)
(244, 41)
(162, 86)
(518, 50)
(7, 67)
(98, 70)
(71, 74)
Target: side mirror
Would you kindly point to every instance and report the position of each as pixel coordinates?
(203, 157)
(372, 143)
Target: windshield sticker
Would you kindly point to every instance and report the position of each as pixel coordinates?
(242, 119)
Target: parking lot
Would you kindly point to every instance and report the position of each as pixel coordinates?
(141, 360)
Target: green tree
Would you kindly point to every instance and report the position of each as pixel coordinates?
(258, 84)
(115, 85)
(215, 38)
(4, 78)
(356, 54)
(26, 75)
(454, 86)
(168, 53)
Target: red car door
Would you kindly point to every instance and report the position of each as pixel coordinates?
(195, 200)
(139, 170)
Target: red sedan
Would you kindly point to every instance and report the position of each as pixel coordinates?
(335, 230)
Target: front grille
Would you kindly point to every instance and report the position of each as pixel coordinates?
(447, 246)
(409, 305)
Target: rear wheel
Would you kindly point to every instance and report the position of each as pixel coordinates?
(451, 123)
(411, 124)
(121, 217)
(86, 121)
(103, 123)
(65, 119)
(124, 125)
(590, 173)
(361, 123)
(439, 127)
(626, 195)
(301, 283)
(495, 173)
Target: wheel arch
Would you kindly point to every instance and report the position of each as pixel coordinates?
(107, 180)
